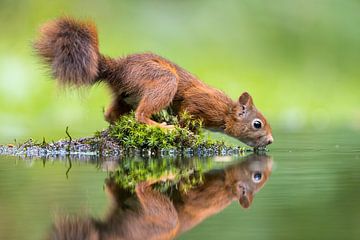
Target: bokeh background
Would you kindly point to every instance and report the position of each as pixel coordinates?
(299, 59)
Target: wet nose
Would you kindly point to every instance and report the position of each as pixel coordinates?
(270, 140)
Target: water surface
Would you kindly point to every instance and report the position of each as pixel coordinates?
(312, 193)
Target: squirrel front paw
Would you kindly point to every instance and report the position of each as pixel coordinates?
(164, 125)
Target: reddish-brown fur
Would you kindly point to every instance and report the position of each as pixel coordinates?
(151, 215)
(145, 82)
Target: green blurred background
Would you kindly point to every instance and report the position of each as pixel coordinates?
(299, 59)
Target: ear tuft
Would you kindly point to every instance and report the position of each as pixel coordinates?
(245, 99)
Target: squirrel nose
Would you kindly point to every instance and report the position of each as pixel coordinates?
(270, 140)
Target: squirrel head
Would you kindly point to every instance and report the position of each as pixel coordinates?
(247, 124)
(247, 178)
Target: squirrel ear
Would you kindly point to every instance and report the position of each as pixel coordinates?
(245, 99)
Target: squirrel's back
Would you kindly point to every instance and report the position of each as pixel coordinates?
(71, 49)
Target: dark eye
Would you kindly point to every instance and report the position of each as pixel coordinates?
(256, 177)
(257, 124)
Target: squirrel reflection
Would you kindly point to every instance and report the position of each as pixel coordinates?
(149, 214)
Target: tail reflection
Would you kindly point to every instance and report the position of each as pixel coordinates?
(150, 214)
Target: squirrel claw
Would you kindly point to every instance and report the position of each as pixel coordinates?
(163, 125)
(169, 127)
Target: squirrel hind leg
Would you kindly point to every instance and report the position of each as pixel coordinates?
(117, 108)
(155, 99)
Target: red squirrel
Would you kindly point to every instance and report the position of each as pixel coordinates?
(146, 83)
(149, 214)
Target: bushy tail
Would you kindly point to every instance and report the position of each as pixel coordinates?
(70, 47)
(73, 228)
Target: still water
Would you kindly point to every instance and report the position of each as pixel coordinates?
(311, 191)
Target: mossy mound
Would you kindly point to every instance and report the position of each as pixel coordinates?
(128, 136)
(187, 133)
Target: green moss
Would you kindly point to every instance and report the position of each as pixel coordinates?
(186, 137)
(187, 133)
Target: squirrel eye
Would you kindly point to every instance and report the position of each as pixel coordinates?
(256, 177)
(257, 124)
